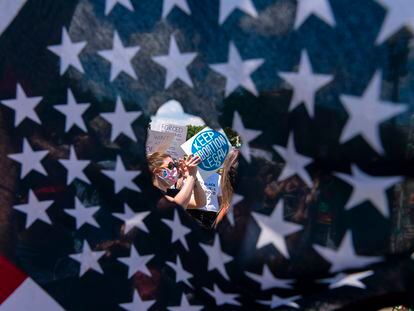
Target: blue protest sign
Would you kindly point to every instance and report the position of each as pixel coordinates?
(211, 146)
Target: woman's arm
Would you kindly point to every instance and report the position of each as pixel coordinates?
(191, 193)
(183, 197)
(198, 198)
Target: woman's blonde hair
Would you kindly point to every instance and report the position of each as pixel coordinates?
(227, 181)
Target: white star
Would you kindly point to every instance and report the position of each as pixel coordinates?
(29, 159)
(75, 167)
(216, 258)
(136, 262)
(68, 51)
(73, 112)
(237, 71)
(246, 135)
(121, 177)
(137, 304)
(228, 6)
(185, 306)
(274, 228)
(176, 64)
(400, 14)
(320, 8)
(121, 120)
(345, 257)
(267, 280)
(222, 298)
(367, 112)
(305, 84)
(110, 4)
(88, 259)
(82, 214)
(277, 301)
(236, 199)
(179, 231)
(34, 210)
(368, 188)
(120, 58)
(132, 219)
(295, 163)
(181, 275)
(168, 5)
(23, 106)
(343, 279)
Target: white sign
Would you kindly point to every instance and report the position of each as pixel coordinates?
(180, 136)
(212, 147)
(158, 141)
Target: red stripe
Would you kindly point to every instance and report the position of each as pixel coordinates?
(10, 278)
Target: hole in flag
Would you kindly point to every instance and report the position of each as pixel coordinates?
(194, 166)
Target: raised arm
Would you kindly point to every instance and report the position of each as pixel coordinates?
(191, 194)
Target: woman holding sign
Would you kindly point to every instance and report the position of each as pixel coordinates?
(166, 173)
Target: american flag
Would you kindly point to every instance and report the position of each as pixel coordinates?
(321, 93)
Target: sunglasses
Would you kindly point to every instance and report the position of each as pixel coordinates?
(172, 164)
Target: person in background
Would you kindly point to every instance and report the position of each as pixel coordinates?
(228, 183)
(166, 173)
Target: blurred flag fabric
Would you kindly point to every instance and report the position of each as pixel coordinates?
(321, 94)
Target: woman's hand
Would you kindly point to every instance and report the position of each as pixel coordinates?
(188, 166)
